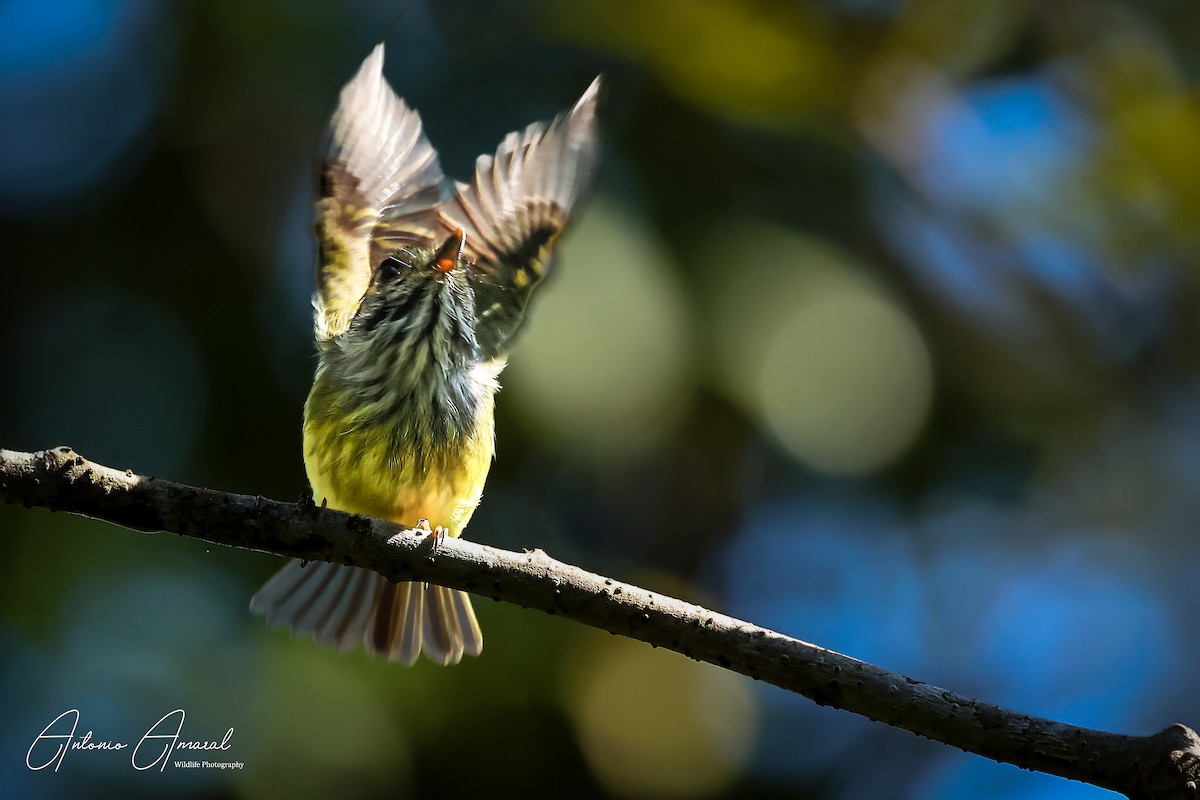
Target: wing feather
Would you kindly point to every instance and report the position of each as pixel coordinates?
(516, 206)
(382, 189)
(379, 169)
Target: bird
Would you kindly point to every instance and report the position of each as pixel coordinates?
(422, 286)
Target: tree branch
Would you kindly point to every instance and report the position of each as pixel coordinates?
(1165, 765)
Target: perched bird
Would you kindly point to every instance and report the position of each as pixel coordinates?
(421, 288)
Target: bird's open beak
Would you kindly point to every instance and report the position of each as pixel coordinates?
(450, 253)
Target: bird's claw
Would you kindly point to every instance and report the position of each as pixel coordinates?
(437, 533)
(304, 503)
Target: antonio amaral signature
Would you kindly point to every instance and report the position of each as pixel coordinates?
(152, 750)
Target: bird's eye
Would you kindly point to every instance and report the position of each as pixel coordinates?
(390, 268)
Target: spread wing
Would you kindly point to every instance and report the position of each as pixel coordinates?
(517, 204)
(379, 170)
(514, 209)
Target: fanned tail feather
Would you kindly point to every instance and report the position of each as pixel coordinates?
(343, 607)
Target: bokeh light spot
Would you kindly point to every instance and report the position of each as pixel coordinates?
(80, 83)
(842, 573)
(34, 34)
(815, 349)
(846, 382)
(653, 724)
(958, 776)
(761, 62)
(603, 362)
(1075, 641)
(320, 731)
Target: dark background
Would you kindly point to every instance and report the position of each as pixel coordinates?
(880, 329)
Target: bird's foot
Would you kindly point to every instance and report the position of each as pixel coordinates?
(437, 533)
(305, 504)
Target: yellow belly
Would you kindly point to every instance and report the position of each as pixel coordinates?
(362, 470)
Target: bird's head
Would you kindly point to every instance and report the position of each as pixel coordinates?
(415, 327)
